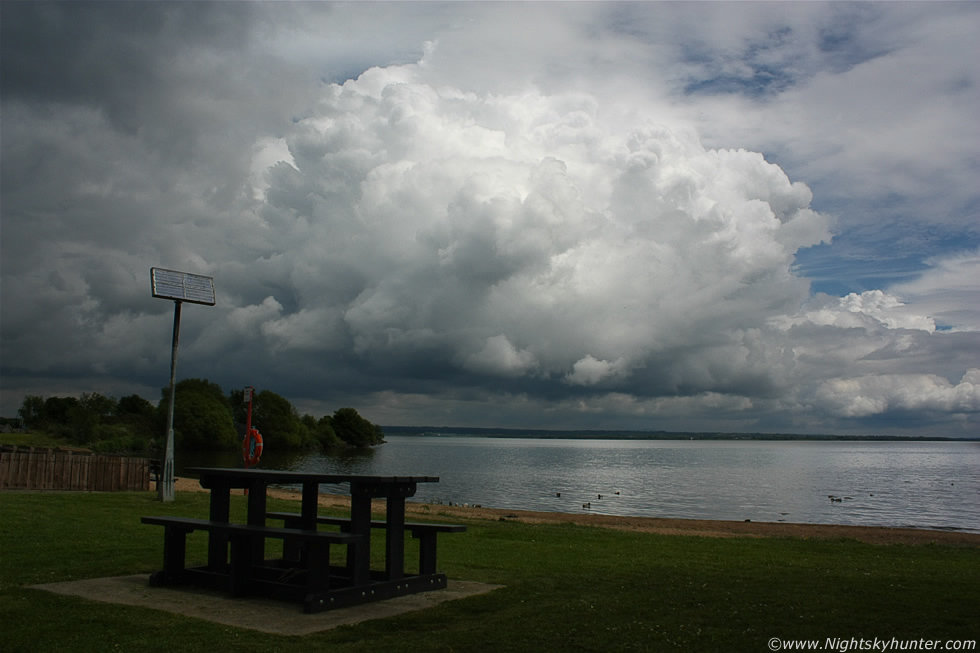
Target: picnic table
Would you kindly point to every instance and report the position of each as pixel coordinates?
(304, 572)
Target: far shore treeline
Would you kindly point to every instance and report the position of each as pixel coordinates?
(600, 434)
(205, 419)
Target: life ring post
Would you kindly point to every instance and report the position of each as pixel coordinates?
(252, 448)
(252, 443)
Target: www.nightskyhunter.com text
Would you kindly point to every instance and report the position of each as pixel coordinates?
(843, 645)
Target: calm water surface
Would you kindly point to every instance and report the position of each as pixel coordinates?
(917, 484)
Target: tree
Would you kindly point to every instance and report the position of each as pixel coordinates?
(99, 405)
(279, 423)
(64, 417)
(239, 409)
(134, 406)
(202, 416)
(324, 433)
(204, 419)
(32, 410)
(56, 410)
(87, 415)
(140, 418)
(94, 420)
(354, 430)
(82, 423)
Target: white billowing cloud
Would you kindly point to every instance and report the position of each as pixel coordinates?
(870, 308)
(500, 357)
(267, 153)
(589, 371)
(528, 236)
(875, 395)
(872, 334)
(468, 223)
(223, 329)
(249, 319)
(886, 309)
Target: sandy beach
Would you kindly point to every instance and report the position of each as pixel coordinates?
(696, 527)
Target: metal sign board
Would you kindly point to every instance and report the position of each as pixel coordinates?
(182, 286)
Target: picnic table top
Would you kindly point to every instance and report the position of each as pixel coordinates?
(288, 477)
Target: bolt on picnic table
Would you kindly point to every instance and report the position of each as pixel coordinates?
(304, 572)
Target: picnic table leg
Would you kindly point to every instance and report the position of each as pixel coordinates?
(256, 517)
(307, 520)
(242, 548)
(427, 552)
(309, 506)
(318, 577)
(292, 551)
(218, 542)
(395, 538)
(174, 555)
(359, 554)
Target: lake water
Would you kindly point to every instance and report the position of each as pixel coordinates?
(913, 484)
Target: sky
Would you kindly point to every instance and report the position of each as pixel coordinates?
(724, 216)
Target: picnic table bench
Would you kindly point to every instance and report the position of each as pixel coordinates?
(242, 575)
(423, 531)
(304, 571)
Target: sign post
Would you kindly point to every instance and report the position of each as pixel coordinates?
(247, 396)
(180, 287)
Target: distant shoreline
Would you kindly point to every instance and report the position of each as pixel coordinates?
(554, 434)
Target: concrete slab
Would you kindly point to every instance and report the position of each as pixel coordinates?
(277, 617)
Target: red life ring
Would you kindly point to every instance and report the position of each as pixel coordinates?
(252, 447)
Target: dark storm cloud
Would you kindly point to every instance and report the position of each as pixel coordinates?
(72, 51)
(122, 58)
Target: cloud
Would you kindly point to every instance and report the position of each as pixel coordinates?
(873, 307)
(501, 357)
(948, 290)
(872, 111)
(612, 212)
(874, 395)
(474, 222)
(589, 371)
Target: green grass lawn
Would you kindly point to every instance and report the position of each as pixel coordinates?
(567, 588)
(32, 440)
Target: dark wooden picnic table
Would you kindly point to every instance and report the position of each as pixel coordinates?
(302, 572)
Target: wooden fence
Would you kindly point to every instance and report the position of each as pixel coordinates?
(35, 468)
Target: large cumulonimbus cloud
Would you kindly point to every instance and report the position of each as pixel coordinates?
(529, 237)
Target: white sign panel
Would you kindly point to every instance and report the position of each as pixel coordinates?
(182, 286)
